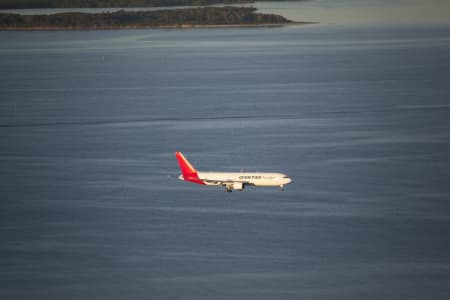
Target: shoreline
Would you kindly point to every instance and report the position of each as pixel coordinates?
(133, 27)
(207, 17)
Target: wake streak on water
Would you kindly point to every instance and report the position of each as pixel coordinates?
(257, 120)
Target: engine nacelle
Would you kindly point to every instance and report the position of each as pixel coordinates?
(238, 186)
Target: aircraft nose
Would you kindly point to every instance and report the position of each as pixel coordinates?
(288, 180)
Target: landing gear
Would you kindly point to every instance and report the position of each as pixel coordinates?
(228, 188)
(282, 188)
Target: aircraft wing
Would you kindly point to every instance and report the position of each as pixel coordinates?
(226, 181)
(230, 184)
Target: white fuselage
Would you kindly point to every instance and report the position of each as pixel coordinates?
(255, 179)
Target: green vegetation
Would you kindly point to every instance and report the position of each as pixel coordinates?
(142, 19)
(18, 4)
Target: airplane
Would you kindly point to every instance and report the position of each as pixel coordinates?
(230, 180)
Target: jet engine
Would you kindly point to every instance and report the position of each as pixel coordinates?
(238, 186)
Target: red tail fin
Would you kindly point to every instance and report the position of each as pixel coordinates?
(189, 172)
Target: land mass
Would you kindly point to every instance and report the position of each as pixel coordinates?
(176, 18)
(22, 4)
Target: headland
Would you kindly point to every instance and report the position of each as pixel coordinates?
(202, 17)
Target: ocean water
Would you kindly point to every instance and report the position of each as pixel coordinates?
(358, 117)
(362, 12)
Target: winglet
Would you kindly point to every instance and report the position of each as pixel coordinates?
(188, 171)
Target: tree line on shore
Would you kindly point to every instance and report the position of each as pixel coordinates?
(21, 4)
(124, 19)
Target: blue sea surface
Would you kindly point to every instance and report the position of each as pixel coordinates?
(358, 117)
